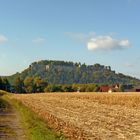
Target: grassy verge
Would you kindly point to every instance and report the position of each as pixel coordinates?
(36, 128)
(2, 92)
(3, 105)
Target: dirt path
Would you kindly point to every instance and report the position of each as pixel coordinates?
(10, 126)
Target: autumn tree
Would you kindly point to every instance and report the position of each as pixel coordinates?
(39, 84)
(19, 85)
(29, 85)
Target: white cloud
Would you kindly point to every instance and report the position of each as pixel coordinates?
(39, 40)
(94, 42)
(107, 43)
(3, 39)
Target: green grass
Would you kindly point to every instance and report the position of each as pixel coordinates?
(4, 108)
(4, 105)
(2, 92)
(36, 129)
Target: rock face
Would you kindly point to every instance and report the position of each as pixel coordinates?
(60, 72)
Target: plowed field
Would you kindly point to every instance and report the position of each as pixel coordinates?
(88, 116)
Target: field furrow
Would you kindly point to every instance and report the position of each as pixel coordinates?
(88, 116)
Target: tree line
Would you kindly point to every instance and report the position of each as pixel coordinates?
(4, 84)
(72, 88)
(38, 85)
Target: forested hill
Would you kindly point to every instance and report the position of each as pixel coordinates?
(60, 72)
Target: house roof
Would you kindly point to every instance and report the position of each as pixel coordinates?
(104, 88)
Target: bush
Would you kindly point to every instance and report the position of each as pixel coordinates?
(53, 88)
(72, 88)
(67, 88)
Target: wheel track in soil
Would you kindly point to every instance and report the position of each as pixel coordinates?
(10, 125)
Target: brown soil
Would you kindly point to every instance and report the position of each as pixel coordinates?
(89, 116)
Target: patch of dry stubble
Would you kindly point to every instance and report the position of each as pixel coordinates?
(89, 115)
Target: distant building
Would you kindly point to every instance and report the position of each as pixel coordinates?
(117, 86)
(136, 88)
(131, 88)
(128, 88)
(104, 88)
(110, 88)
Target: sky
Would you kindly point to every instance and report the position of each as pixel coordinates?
(86, 31)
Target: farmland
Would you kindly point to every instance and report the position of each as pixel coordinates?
(100, 116)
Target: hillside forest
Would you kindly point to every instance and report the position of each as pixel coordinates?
(53, 76)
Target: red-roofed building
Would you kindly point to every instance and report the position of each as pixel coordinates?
(109, 88)
(104, 88)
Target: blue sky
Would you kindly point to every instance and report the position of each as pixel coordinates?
(86, 31)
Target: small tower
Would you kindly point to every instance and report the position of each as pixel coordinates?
(47, 67)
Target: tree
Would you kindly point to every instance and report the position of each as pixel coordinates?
(89, 88)
(6, 84)
(29, 85)
(19, 85)
(83, 87)
(67, 88)
(121, 88)
(53, 88)
(75, 87)
(39, 84)
(96, 88)
(1, 83)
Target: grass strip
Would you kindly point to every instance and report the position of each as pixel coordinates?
(36, 128)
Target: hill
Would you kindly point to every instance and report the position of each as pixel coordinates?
(61, 72)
